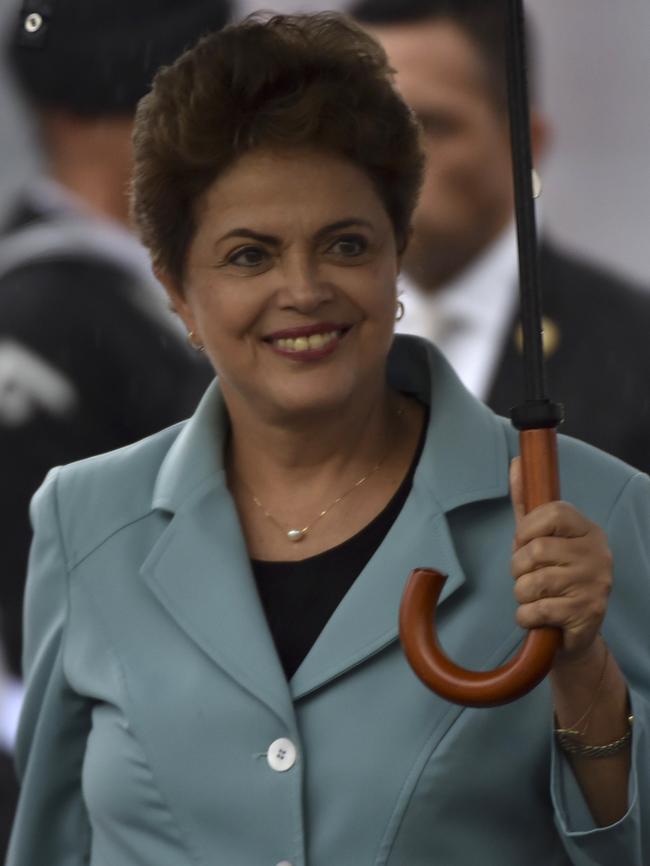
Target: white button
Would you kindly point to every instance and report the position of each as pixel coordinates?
(33, 22)
(284, 863)
(281, 755)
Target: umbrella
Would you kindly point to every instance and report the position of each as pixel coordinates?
(537, 419)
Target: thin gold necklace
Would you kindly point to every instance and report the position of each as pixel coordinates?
(298, 534)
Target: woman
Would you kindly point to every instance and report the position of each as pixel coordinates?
(214, 672)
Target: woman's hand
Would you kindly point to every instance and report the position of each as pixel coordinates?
(563, 571)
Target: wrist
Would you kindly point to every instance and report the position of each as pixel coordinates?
(581, 664)
(590, 697)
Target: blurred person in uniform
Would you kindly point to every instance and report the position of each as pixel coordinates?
(91, 358)
(10, 702)
(460, 273)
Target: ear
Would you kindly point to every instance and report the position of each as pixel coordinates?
(541, 135)
(177, 298)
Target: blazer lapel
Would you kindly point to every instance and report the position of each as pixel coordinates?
(199, 568)
(464, 460)
(366, 621)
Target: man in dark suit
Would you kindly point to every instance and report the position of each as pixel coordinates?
(460, 272)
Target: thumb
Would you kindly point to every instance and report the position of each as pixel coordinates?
(517, 490)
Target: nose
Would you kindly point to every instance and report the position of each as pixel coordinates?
(304, 286)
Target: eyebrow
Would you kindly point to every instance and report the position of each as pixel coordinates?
(272, 240)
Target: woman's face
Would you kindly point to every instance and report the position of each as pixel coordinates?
(290, 283)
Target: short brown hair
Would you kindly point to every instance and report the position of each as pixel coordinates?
(280, 82)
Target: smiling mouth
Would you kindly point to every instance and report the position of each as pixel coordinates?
(313, 344)
(303, 344)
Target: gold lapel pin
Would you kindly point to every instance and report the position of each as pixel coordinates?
(550, 337)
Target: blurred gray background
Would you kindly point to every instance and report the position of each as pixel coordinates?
(595, 84)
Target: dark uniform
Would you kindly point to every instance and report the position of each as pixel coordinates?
(85, 366)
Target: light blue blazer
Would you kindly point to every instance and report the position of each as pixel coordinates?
(155, 692)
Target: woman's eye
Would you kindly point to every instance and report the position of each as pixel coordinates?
(248, 257)
(350, 246)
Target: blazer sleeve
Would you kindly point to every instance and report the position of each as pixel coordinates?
(627, 632)
(51, 825)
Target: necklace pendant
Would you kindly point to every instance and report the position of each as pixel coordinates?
(296, 534)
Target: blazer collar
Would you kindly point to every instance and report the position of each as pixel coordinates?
(196, 455)
(199, 568)
(465, 456)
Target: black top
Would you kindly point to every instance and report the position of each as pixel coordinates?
(300, 597)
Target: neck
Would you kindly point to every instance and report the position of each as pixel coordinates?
(107, 200)
(92, 159)
(312, 452)
(287, 476)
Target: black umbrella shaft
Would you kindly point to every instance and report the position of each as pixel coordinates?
(529, 276)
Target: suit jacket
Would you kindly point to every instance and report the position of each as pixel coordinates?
(598, 363)
(155, 692)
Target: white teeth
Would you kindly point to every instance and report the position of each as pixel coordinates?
(316, 341)
(302, 344)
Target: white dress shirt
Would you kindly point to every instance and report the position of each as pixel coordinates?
(469, 317)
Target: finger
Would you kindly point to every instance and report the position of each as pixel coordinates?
(549, 551)
(551, 582)
(517, 490)
(553, 519)
(560, 612)
(579, 625)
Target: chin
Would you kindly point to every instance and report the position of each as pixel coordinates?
(309, 401)
(310, 407)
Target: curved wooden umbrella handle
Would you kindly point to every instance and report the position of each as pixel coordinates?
(417, 612)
